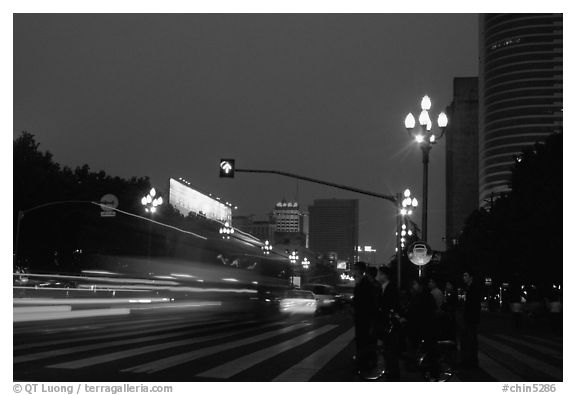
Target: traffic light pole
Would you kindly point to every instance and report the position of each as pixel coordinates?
(390, 198)
(397, 200)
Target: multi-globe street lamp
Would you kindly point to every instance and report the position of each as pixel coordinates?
(226, 230)
(293, 257)
(151, 204)
(408, 205)
(266, 247)
(305, 263)
(425, 137)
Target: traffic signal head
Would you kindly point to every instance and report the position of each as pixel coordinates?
(227, 168)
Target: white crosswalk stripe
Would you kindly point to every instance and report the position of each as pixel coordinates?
(542, 349)
(534, 363)
(238, 365)
(115, 334)
(114, 356)
(309, 366)
(180, 359)
(495, 369)
(550, 342)
(102, 345)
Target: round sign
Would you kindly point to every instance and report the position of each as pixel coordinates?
(419, 253)
(109, 202)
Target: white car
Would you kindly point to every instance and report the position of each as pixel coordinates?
(297, 301)
(325, 295)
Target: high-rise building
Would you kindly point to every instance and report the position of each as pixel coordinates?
(334, 227)
(288, 217)
(289, 225)
(520, 90)
(461, 156)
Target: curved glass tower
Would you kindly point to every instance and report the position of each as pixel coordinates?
(520, 91)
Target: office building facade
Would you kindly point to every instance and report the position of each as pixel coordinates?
(334, 227)
(461, 156)
(520, 91)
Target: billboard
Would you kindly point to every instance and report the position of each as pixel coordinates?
(186, 200)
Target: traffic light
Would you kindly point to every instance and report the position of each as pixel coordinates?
(227, 168)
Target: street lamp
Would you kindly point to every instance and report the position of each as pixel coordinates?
(408, 205)
(293, 257)
(151, 204)
(227, 230)
(305, 263)
(266, 248)
(425, 137)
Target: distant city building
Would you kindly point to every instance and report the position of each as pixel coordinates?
(262, 229)
(461, 156)
(288, 217)
(290, 223)
(520, 91)
(334, 228)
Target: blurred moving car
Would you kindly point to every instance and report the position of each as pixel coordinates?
(325, 296)
(297, 301)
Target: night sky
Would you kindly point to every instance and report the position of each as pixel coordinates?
(319, 95)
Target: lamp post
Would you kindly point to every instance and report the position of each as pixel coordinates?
(425, 137)
(406, 205)
(151, 204)
(293, 259)
(266, 248)
(227, 230)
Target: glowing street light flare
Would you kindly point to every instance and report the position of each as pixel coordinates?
(426, 103)
(424, 118)
(407, 193)
(409, 122)
(442, 120)
(419, 138)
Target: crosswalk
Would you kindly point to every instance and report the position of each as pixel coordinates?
(289, 350)
(506, 357)
(219, 350)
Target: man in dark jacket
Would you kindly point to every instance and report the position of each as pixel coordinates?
(388, 333)
(365, 311)
(471, 319)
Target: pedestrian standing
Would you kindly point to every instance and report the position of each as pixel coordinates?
(471, 319)
(388, 328)
(449, 308)
(436, 293)
(422, 325)
(365, 312)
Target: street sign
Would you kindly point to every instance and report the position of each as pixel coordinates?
(108, 203)
(420, 253)
(227, 168)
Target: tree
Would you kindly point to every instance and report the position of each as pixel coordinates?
(519, 235)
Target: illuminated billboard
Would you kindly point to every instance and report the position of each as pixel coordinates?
(186, 200)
